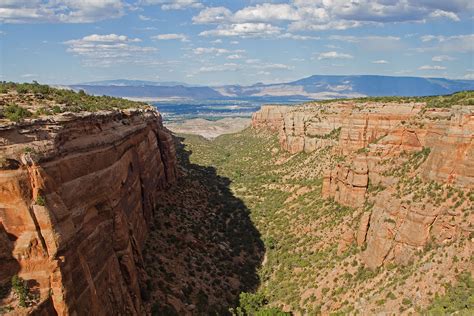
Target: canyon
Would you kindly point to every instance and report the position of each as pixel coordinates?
(347, 206)
(86, 188)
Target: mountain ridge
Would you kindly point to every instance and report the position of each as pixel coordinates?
(315, 87)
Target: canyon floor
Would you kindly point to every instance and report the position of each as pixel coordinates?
(203, 249)
(209, 128)
(306, 270)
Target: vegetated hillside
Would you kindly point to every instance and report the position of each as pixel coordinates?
(356, 220)
(32, 100)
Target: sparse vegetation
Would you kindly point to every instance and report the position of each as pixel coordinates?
(334, 134)
(459, 298)
(300, 259)
(20, 287)
(48, 100)
(445, 101)
(293, 259)
(255, 305)
(14, 112)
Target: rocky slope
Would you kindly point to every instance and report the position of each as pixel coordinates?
(77, 191)
(408, 153)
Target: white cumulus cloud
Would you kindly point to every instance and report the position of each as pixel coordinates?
(267, 12)
(444, 14)
(174, 4)
(106, 50)
(171, 36)
(235, 56)
(213, 15)
(244, 30)
(216, 51)
(457, 43)
(60, 11)
(317, 15)
(334, 55)
(430, 67)
(441, 58)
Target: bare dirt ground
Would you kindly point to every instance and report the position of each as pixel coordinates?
(209, 129)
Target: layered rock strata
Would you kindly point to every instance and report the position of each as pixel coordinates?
(76, 194)
(402, 162)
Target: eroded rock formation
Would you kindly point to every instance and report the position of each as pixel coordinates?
(76, 194)
(403, 163)
(270, 117)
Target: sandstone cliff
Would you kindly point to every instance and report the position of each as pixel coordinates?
(409, 166)
(76, 194)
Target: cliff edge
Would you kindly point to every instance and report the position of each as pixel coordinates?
(77, 190)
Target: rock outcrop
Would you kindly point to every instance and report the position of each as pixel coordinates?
(76, 194)
(270, 117)
(347, 184)
(349, 125)
(402, 162)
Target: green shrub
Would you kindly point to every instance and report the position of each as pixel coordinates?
(406, 301)
(21, 289)
(22, 89)
(40, 200)
(255, 304)
(380, 302)
(15, 113)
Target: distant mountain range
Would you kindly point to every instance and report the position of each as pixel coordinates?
(311, 88)
(133, 83)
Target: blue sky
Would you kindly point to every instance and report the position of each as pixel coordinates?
(229, 42)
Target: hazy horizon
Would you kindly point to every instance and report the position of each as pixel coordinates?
(256, 83)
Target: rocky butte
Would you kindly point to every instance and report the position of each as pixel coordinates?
(77, 190)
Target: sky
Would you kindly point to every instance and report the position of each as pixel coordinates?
(212, 42)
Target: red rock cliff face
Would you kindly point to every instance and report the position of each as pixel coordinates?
(402, 162)
(308, 128)
(76, 193)
(270, 117)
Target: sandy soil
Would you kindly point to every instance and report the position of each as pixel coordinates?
(209, 129)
